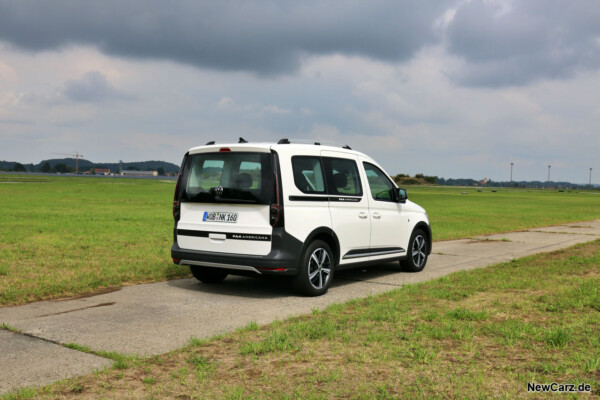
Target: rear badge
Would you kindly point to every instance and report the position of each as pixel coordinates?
(214, 216)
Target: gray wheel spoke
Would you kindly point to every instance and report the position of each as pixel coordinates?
(312, 276)
(320, 280)
(323, 257)
(314, 257)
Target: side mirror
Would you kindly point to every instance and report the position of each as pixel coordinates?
(401, 195)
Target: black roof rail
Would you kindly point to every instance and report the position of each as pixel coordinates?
(209, 143)
(242, 140)
(303, 141)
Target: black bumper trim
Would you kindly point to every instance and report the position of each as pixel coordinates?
(285, 254)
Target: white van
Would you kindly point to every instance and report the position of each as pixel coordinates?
(289, 209)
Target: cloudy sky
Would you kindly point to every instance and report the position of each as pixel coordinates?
(446, 88)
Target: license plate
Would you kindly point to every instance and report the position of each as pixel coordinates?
(216, 216)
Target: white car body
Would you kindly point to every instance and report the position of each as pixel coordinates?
(311, 192)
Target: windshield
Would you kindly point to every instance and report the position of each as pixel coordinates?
(228, 177)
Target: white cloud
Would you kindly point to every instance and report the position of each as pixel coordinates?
(410, 114)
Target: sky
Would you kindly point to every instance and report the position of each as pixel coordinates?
(456, 89)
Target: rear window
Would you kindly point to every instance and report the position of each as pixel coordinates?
(228, 177)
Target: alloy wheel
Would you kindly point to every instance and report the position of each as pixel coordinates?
(419, 251)
(319, 268)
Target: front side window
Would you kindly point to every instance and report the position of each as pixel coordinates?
(380, 185)
(228, 177)
(342, 175)
(308, 174)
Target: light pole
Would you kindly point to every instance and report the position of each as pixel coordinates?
(511, 167)
(548, 173)
(590, 177)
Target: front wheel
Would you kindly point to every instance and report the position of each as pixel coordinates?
(417, 253)
(316, 269)
(207, 274)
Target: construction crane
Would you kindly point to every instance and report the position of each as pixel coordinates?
(77, 157)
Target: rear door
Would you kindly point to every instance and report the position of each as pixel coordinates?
(348, 205)
(225, 201)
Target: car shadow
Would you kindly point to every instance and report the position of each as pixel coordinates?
(277, 287)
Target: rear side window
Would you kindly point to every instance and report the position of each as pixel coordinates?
(228, 177)
(342, 176)
(308, 174)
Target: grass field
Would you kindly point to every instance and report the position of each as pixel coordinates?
(64, 236)
(484, 333)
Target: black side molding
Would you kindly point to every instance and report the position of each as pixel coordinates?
(346, 199)
(368, 252)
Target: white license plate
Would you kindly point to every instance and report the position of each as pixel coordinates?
(217, 216)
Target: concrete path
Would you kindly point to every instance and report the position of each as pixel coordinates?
(159, 317)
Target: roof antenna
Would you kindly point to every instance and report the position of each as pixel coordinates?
(209, 143)
(242, 140)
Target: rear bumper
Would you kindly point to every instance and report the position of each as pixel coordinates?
(282, 260)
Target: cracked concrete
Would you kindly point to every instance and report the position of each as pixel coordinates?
(159, 317)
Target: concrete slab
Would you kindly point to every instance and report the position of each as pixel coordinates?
(27, 361)
(582, 228)
(159, 317)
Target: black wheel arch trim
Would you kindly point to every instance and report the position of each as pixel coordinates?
(334, 244)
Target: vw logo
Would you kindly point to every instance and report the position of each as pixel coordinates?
(219, 190)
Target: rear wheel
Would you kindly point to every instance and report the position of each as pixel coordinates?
(417, 253)
(207, 274)
(316, 269)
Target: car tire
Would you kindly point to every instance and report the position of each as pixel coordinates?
(316, 269)
(207, 274)
(417, 252)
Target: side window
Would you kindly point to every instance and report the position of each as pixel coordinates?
(308, 174)
(380, 185)
(342, 176)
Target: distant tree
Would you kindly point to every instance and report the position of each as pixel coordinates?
(133, 168)
(161, 171)
(45, 167)
(62, 168)
(93, 171)
(18, 167)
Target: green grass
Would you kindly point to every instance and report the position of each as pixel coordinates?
(71, 236)
(454, 215)
(66, 236)
(493, 331)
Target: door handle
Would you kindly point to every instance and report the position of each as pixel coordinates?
(376, 215)
(362, 215)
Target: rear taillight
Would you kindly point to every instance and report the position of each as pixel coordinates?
(275, 215)
(176, 210)
(176, 204)
(276, 211)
